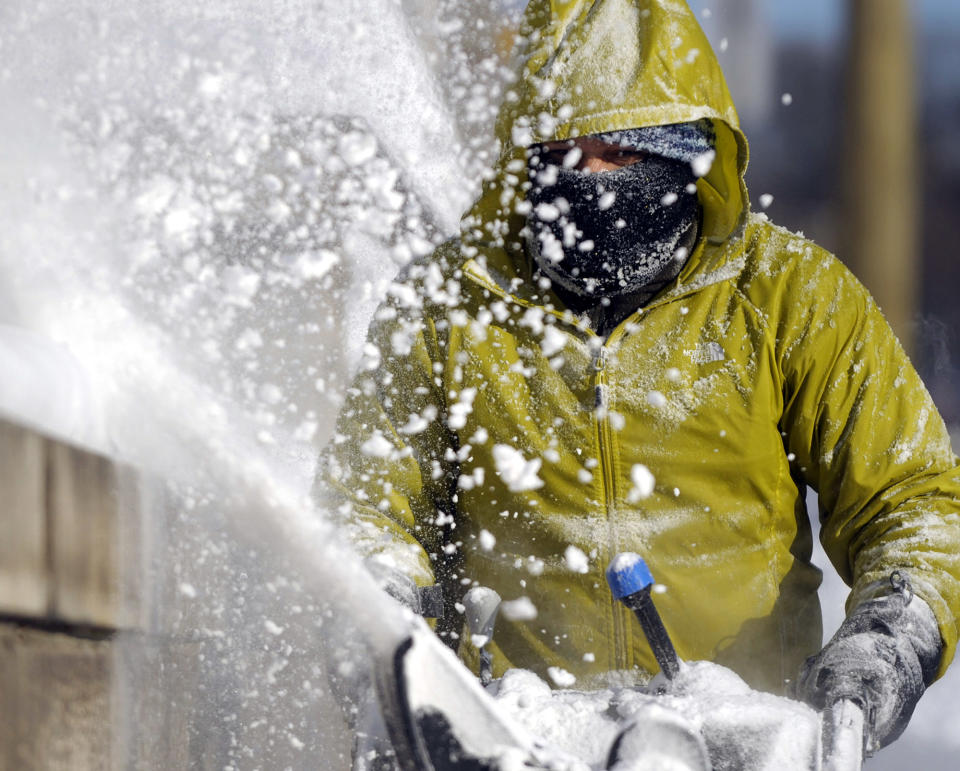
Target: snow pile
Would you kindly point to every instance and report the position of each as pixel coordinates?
(741, 728)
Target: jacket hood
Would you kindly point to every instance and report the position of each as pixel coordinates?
(593, 66)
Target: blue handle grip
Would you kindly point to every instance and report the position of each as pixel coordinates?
(628, 574)
(631, 581)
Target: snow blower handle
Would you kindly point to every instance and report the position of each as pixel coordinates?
(480, 607)
(842, 737)
(630, 581)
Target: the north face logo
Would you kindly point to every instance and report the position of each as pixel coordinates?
(705, 353)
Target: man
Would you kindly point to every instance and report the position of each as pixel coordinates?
(616, 355)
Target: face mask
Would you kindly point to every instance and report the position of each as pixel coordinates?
(610, 233)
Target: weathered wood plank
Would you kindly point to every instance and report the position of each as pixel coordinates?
(133, 608)
(24, 582)
(84, 523)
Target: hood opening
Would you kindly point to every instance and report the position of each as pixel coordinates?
(595, 66)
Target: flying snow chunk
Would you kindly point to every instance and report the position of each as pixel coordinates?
(643, 483)
(561, 677)
(156, 197)
(415, 425)
(240, 285)
(765, 200)
(553, 341)
(273, 628)
(371, 358)
(210, 84)
(520, 609)
(572, 158)
(279, 211)
(702, 164)
(533, 318)
(315, 265)
(517, 473)
(405, 295)
(576, 560)
(546, 212)
(306, 431)
(487, 540)
(521, 134)
(270, 393)
(377, 446)
(787, 99)
(356, 148)
(461, 409)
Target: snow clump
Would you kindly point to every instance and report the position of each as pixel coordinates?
(517, 473)
(487, 540)
(553, 341)
(561, 677)
(703, 163)
(520, 609)
(576, 560)
(377, 446)
(643, 483)
(459, 411)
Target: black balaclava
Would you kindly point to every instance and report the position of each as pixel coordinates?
(607, 235)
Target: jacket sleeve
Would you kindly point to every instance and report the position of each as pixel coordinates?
(386, 477)
(866, 435)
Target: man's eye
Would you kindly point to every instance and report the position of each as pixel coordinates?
(628, 156)
(554, 157)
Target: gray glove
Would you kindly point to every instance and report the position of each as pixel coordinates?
(882, 658)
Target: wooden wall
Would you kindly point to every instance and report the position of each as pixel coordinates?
(106, 663)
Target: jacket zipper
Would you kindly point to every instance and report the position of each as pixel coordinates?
(605, 451)
(621, 644)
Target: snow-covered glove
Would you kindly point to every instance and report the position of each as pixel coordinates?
(423, 600)
(882, 658)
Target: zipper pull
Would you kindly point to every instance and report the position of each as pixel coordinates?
(600, 397)
(600, 360)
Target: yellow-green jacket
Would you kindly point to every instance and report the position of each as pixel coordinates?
(494, 435)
